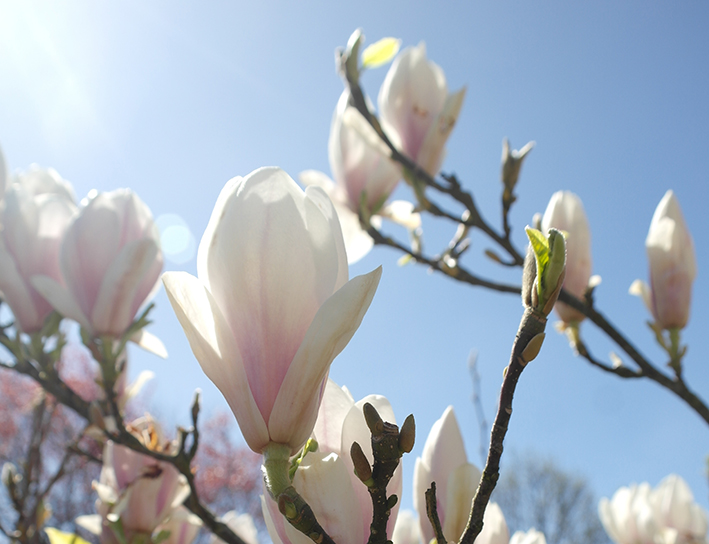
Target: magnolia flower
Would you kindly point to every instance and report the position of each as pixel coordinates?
(664, 515)
(111, 261)
(628, 517)
(326, 478)
(364, 178)
(565, 212)
(673, 266)
(417, 112)
(407, 529)
(271, 307)
(135, 489)
(38, 208)
(182, 527)
(444, 461)
(680, 519)
(530, 537)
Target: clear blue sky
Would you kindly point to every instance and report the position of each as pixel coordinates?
(173, 99)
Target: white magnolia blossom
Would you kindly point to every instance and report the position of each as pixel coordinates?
(111, 262)
(364, 177)
(673, 266)
(272, 305)
(530, 537)
(417, 113)
(37, 210)
(326, 478)
(407, 529)
(665, 515)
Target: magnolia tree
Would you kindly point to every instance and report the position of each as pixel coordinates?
(273, 305)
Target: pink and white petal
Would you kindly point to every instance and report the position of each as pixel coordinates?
(406, 530)
(431, 154)
(462, 484)
(335, 405)
(357, 241)
(61, 300)
(276, 523)
(443, 452)
(90, 245)
(495, 529)
(332, 328)
(214, 347)
(422, 481)
(315, 178)
(112, 311)
(324, 482)
(272, 262)
(325, 205)
(17, 294)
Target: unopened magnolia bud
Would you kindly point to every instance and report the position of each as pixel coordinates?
(362, 468)
(351, 56)
(287, 507)
(555, 271)
(531, 350)
(529, 278)
(407, 435)
(373, 419)
(512, 163)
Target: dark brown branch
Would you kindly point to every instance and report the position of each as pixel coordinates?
(456, 272)
(432, 513)
(532, 324)
(50, 382)
(676, 384)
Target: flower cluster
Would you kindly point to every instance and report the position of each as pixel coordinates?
(417, 115)
(96, 263)
(666, 514)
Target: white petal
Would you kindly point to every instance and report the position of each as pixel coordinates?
(355, 429)
(431, 154)
(332, 328)
(443, 452)
(61, 300)
(271, 260)
(495, 529)
(462, 484)
(116, 301)
(642, 289)
(336, 404)
(324, 483)
(213, 346)
(150, 343)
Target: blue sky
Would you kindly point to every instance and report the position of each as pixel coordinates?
(173, 99)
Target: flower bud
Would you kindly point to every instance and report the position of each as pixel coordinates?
(565, 212)
(111, 262)
(673, 266)
(417, 112)
(37, 210)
